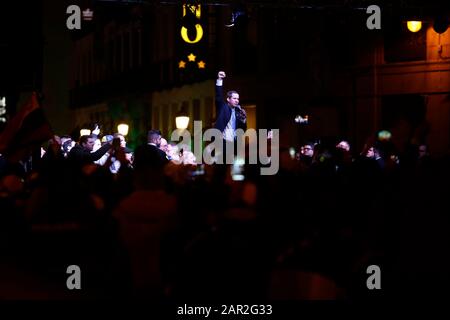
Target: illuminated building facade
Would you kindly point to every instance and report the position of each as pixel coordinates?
(350, 80)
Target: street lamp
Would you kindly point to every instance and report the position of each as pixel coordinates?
(123, 129)
(85, 132)
(384, 135)
(414, 26)
(182, 119)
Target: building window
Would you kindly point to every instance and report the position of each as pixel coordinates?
(118, 65)
(196, 110)
(136, 47)
(165, 120)
(185, 107)
(175, 108)
(110, 58)
(212, 22)
(83, 70)
(209, 112)
(126, 51)
(139, 39)
(155, 117)
(90, 68)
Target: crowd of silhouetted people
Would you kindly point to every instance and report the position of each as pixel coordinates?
(153, 223)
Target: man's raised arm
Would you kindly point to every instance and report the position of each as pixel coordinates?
(219, 91)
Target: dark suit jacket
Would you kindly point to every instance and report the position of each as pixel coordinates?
(80, 156)
(223, 112)
(149, 156)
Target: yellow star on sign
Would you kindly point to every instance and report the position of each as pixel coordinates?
(201, 64)
(191, 57)
(181, 64)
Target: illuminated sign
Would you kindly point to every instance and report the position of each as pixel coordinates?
(191, 58)
(199, 34)
(195, 12)
(193, 39)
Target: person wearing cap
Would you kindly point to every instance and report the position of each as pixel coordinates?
(107, 138)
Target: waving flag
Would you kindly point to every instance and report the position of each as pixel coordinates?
(27, 130)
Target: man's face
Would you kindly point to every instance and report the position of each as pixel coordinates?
(89, 145)
(157, 141)
(307, 150)
(422, 151)
(370, 153)
(233, 100)
(163, 145)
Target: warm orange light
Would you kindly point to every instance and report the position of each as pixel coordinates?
(414, 26)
